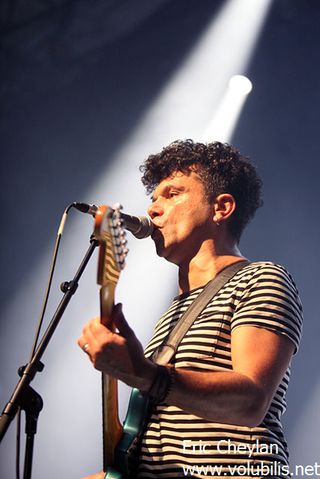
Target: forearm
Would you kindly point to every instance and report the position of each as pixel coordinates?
(226, 397)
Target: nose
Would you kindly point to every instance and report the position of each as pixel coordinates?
(155, 209)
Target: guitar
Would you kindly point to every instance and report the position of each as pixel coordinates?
(118, 440)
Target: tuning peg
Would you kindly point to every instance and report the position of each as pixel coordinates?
(123, 252)
(120, 241)
(117, 207)
(121, 261)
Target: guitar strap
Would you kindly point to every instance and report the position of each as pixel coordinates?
(128, 461)
(164, 353)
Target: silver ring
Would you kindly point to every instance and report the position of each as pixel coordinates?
(85, 347)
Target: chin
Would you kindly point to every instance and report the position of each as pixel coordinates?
(163, 251)
(166, 251)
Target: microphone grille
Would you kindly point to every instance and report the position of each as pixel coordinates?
(145, 229)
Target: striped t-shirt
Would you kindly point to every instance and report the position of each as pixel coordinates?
(178, 444)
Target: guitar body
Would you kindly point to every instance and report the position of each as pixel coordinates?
(124, 456)
(112, 474)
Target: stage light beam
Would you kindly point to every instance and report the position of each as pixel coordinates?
(228, 112)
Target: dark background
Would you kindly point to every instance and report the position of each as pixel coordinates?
(76, 79)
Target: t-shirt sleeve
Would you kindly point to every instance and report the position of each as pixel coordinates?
(270, 300)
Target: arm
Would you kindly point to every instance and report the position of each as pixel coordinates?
(259, 356)
(241, 396)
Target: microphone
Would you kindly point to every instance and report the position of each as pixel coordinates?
(140, 226)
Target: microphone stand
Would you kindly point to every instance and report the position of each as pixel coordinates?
(24, 396)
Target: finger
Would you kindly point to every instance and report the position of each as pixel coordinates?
(88, 336)
(86, 348)
(121, 323)
(95, 327)
(81, 342)
(84, 344)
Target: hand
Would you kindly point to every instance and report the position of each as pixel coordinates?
(118, 354)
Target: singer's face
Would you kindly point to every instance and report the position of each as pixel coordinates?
(182, 216)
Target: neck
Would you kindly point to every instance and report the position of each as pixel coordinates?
(206, 264)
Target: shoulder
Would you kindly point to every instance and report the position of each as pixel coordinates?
(267, 267)
(266, 272)
(268, 297)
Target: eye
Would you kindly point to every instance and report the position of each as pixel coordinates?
(173, 193)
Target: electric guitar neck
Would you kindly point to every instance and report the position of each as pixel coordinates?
(112, 252)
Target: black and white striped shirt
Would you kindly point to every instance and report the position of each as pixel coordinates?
(179, 444)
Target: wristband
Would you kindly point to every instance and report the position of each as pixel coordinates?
(162, 384)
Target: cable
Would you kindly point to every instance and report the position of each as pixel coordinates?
(40, 323)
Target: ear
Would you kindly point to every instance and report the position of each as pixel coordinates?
(224, 206)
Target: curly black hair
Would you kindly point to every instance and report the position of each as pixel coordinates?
(221, 168)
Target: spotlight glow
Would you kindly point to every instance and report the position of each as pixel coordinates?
(241, 84)
(226, 115)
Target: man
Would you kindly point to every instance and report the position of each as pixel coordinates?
(218, 404)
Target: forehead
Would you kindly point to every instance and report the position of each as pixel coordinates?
(181, 180)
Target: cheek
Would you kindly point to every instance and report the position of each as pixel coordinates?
(184, 224)
(195, 215)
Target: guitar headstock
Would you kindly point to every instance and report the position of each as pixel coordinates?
(109, 232)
